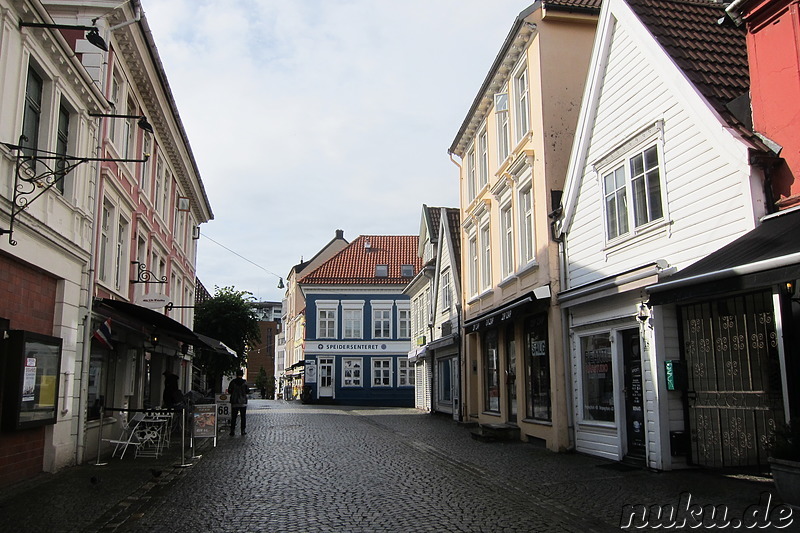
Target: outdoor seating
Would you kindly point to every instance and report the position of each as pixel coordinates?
(129, 435)
(152, 433)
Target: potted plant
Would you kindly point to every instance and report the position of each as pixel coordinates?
(784, 461)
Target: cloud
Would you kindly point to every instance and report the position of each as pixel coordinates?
(310, 116)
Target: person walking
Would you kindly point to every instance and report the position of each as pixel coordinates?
(238, 389)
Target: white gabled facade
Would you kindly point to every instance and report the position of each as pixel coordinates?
(640, 108)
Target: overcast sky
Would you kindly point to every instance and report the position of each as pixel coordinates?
(308, 116)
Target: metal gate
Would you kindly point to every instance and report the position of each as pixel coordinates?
(734, 387)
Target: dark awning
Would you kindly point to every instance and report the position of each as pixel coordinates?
(765, 256)
(148, 320)
(215, 345)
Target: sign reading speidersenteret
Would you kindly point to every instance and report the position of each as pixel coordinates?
(205, 421)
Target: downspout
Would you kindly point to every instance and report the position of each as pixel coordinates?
(462, 337)
(559, 237)
(83, 396)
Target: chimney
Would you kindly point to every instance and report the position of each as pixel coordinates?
(340, 234)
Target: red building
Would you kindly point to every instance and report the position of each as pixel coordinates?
(773, 48)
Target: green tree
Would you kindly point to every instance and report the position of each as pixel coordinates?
(230, 318)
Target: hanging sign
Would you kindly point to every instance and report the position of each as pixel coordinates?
(152, 301)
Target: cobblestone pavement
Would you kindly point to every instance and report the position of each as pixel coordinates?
(305, 468)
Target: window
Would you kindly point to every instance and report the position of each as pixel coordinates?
(381, 271)
(381, 323)
(447, 301)
(165, 195)
(486, 258)
(491, 373)
(144, 181)
(473, 264)
(444, 383)
(598, 382)
(537, 367)
(404, 323)
(326, 323)
(635, 181)
(62, 144)
(405, 373)
(483, 150)
(157, 198)
(120, 258)
(381, 372)
(526, 226)
(501, 108)
(352, 319)
(105, 242)
(507, 242)
(116, 85)
(130, 130)
(521, 88)
(351, 371)
(407, 271)
(33, 114)
(471, 183)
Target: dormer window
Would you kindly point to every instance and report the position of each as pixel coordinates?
(407, 271)
(381, 271)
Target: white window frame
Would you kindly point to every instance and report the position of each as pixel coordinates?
(501, 113)
(483, 157)
(486, 254)
(353, 319)
(106, 244)
(380, 307)
(445, 296)
(521, 103)
(507, 239)
(352, 370)
(527, 237)
(404, 320)
(381, 371)
(620, 166)
(405, 373)
(473, 264)
(122, 251)
(331, 310)
(472, 185)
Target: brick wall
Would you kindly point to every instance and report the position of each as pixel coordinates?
(27, 301)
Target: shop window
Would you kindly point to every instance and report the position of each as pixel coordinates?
(537, 366)
(598, 382)
(491, 373)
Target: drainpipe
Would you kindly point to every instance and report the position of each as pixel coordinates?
(559, 237)
(86, 355)
(462, 340)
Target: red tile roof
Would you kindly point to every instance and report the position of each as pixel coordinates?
(355, 265)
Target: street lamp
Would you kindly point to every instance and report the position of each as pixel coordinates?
(92, 35)
(142, 122)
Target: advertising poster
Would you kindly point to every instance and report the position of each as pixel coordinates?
(205, 421)
(223, 402)
(29, 380)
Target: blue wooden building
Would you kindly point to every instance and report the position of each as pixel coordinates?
(358, 324)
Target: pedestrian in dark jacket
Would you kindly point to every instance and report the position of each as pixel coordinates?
(238, 390)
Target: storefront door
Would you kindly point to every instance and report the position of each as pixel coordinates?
(734, 391)
(325, 376)
(511, 373)
(634, 403)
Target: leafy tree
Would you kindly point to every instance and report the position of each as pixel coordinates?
(230, 318)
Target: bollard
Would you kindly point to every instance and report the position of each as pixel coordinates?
(100, 435)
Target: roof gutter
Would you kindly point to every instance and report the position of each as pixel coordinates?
(741, 270)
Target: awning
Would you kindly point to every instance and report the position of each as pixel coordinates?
(215, 345)
(539, 296)
(148, 320)
(765, 256)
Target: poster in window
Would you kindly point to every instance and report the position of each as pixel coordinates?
(30, 380)
(598, 379)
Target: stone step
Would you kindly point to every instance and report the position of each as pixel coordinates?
(495, 432)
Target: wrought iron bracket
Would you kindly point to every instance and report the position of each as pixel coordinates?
(37, 171)
(145, 276)
(170, 306)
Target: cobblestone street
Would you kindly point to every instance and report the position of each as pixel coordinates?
(304, 468)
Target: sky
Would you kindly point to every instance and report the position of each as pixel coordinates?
(308, 116)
